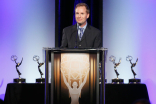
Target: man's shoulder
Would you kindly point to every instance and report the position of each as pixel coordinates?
(69, 27)
(93, 28)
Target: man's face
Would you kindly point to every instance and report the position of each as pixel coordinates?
(81, 15)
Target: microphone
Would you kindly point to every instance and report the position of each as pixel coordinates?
(86, 42)
(76, 40)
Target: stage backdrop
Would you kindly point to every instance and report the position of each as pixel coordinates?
(25, 27)
(129, 28)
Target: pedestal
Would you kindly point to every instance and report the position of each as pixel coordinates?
(75, 67)
(117, 81)
(19, 80)
(134, 81)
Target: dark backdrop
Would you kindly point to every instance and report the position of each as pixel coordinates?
(65, 15)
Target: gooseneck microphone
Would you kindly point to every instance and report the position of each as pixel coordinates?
(76, 40)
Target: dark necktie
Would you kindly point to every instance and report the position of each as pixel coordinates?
(81, 33)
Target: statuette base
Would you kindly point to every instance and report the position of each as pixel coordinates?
(117, 81)
(134, 81)
(19, 80)
(40, 80)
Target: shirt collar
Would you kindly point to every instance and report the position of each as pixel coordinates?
(84, 27)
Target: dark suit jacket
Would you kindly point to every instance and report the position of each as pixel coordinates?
(90, 39)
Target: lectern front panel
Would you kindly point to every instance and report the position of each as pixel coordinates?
(75, 78)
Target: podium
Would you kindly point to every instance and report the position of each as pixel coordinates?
(75, 76)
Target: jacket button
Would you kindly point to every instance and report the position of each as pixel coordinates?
(79, 45)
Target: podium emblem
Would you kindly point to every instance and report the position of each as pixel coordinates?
(75, 69)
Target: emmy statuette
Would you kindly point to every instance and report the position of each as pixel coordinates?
(116, 80)
(39, 80)
(133, 80)
(18, 80)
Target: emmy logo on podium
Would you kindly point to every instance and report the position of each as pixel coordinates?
(74, 70)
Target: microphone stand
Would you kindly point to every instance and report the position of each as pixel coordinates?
(76, 41)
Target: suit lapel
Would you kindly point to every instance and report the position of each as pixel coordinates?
(73, 32)
(74, 28)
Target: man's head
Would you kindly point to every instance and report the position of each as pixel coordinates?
(82, 13)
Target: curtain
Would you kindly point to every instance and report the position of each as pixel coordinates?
(65, 15)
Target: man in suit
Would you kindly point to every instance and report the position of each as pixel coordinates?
(81, 35)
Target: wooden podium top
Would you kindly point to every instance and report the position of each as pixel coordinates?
(74, 49)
